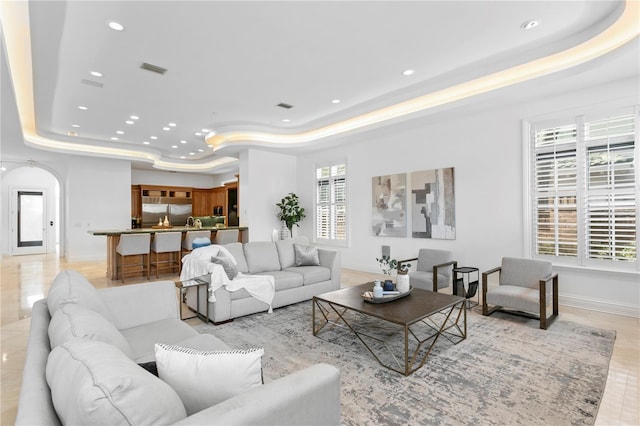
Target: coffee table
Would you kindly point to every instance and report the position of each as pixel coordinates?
(422, 317)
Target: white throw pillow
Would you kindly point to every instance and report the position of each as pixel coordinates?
(73, 287)
(93, 383)
(205, 378)
(75, 321)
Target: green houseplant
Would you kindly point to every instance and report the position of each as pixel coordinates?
(387, 264)
(290, 211)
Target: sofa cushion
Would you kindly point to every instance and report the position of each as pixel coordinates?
(311, 274)
(306, 255)
(142, 338)
(75, 321)
(227, 264)
(228, 373)
(262, 256)
(94, 383)
(73, 287)
(286, 252)
(237, 252)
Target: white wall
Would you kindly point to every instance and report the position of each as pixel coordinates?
(485, 148)
(265, 178)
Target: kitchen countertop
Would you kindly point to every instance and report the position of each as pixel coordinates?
(154, 230)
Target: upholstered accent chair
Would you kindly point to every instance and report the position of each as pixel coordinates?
(524, 288)
(433, 269)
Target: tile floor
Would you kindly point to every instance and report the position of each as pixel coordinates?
(25, 279)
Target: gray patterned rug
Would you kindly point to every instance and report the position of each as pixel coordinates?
(507, 371)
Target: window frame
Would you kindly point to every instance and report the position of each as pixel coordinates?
(331, 241)
(582, 148)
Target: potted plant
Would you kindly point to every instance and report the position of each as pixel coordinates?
(290, 211)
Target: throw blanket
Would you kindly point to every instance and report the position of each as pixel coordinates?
(198, 263)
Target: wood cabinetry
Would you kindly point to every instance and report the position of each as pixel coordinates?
(136, 201)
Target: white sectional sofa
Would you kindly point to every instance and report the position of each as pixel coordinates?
(293, 283)
(85, 347)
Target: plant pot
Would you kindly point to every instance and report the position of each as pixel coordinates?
(402, 283)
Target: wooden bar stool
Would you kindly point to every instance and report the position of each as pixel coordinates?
(169, 244)
(133, 245)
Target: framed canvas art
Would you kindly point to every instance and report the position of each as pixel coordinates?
(433, 205)
(389, 196)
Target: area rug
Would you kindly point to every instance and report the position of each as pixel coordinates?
(507, 371)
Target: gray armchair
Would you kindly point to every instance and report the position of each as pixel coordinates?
(433, 269)
(523, 287)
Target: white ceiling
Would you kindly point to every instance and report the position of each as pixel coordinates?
(229, 63)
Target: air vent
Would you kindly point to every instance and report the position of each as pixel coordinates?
(285, 106)
(91, 83)
(153, 68)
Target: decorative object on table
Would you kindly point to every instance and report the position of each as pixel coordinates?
(290, 213)
(387, 264)
(198, 224)
(160, 222)
(389, 195)
(385, 297)
(402, 281)
(166, 221)
(433, 204)
(388, 285)
(377, 289)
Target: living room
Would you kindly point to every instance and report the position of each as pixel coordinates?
(484, 138)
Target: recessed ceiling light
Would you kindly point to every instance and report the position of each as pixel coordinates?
(146, 143)
(83, 108)
(129, 122)
(192, 153)
(408, 72)
(114, 138)
(153, 137)
(182, 157)
(174, 146)
(116, 26)
(198, 134)
(166, 128)
(201, 150)
(335, 101)
(75, 125)
(96, 74)
(72, 133)
(120, 132)
(134, 117)
(172, 124)
(529, 24)
(183, 141)
(286, 120)
(206, 130)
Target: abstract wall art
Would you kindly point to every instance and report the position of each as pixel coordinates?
(389, 195)
(433, 204)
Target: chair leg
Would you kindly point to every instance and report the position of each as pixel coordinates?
(485, 308)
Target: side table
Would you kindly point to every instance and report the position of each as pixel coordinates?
(471, 286)
(194, 282)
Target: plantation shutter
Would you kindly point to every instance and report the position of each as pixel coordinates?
(331, 202)
(610, 197)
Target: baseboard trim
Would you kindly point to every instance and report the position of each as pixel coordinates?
(599, 306)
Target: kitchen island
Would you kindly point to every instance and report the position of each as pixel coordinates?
(113, 238)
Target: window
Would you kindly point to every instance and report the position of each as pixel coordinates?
(585, 192)
(331, 203)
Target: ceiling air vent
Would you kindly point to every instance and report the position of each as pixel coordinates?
(153, 68)
(285, 106)
(91, 83)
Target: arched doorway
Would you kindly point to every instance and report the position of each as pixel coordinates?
(32, 216)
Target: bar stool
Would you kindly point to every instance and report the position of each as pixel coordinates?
(226, 236)
(134, 245)
(168, 243)
(187, 243)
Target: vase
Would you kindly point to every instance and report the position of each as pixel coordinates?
(377, 289)
(285, 234)
(402, 283)
(388, 285)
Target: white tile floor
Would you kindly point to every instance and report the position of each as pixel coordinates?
(25, 279)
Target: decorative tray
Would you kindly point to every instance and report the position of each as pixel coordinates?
(161, 227)
(368, 296)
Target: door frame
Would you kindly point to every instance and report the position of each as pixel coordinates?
(14, 250)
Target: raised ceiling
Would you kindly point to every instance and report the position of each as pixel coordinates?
(229, 64)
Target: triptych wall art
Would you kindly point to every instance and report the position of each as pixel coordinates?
(432, 211)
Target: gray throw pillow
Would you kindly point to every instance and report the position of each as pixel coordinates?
(229, 268)
(306, 255)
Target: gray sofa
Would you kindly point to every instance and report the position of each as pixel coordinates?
(92, 376)
(293, 284)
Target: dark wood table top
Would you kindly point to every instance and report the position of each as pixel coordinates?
(408, 310)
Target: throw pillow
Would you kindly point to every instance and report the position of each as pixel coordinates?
(229, 268)
(206, 378)
(306, 255)
(73, 287)
(93, 383)
(75, 321)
